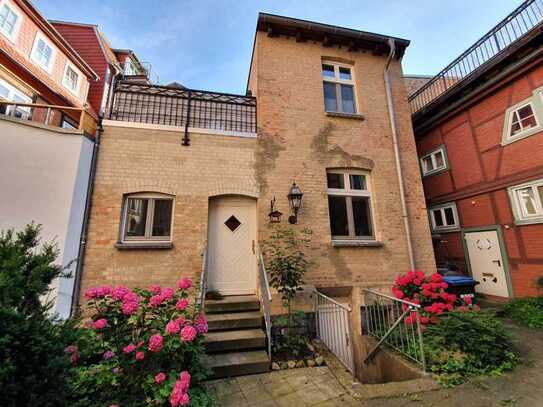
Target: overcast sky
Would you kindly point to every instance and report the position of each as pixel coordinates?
(206, 44)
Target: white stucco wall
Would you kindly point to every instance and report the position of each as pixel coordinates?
(43, 178)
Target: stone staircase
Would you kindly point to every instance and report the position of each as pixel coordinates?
(235, 343)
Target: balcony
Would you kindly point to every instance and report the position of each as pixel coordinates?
(490, 49)
(186, 108)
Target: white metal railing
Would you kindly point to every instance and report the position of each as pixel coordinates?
(334, 330)
(203, 281)
(265, 298)
(393, 322)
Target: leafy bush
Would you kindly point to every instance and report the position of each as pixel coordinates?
(143, 347)
(526, 311)
(467, 343)
(33, 366)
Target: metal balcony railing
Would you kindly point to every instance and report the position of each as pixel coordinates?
(492, 45)
(143, 103)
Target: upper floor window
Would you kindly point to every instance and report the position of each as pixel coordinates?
(444, 217)
(521, 120)
(129, 68)
(434, 162)
(338, 84)
(70, 80)
(527, 201)
(12, 94)
(43, 53)
(349, 205)
(147, 217)
(10, 20)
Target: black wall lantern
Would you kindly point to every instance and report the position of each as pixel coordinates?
(295, 200)
(274, 215)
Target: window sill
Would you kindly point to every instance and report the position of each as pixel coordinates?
(534, 221)
(437, 172)
(144, 246)
(356, 243)
(354, 116)
(440, 231)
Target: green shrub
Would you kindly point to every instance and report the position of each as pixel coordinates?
(34, 369)
(526, 311)
(465, 344)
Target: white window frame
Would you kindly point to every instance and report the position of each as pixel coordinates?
(536, 102)
(13, 36)
(78, 83)
(348, 192)
(13, 91)
(40, 36)
(520, 217)
(338, 81)
(441, 208)
(432, 154)
(148, 238)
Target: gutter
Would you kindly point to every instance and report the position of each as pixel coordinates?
(392, 118)
(85, 225)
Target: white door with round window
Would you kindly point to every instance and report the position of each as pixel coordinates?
(232, 258)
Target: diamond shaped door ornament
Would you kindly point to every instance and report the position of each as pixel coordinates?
(232, 223)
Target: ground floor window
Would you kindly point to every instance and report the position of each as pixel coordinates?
(527, 201)
(349, 205)
(444, 217)
(147, 217)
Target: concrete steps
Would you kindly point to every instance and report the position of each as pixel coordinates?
(235, 343)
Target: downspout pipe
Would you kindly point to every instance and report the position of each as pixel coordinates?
(85, 226)
(392, 118)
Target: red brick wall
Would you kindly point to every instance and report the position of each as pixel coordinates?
(481, 170)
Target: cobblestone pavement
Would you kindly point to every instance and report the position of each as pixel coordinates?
(311, 386)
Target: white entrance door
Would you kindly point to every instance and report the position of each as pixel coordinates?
(231, 245)
(486, 262)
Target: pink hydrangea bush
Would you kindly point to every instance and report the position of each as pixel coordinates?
(149, 345)
(430, 293)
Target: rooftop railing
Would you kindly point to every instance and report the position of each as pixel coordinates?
(492, 45)
(152, 104)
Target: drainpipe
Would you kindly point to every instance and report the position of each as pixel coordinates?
(392, 117)
(86, 216)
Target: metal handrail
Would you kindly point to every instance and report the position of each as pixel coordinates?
(386, 320)
(493, 44)
(265, 299)
(203, 280)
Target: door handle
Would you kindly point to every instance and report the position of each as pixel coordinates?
(497, 261)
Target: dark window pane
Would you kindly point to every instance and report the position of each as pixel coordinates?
(330, 100)
(327, 70)
(449, 216)
(437, 217)
(525, 112)
(347, 99)
(136, 216)
(339, 224)
(345, 73)
(439, 159)
(358, 181)
(362, 217)
(162, 219)
(335, 180)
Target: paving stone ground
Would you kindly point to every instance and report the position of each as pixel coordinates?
(312, 386)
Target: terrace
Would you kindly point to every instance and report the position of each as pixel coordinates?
(192, 110)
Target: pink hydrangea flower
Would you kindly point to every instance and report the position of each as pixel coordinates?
(119, 292)
(179, 396)
(140, 355)
(160, 377)
(100, 323)
(172, 327)
(184, 284)
(131, 296)
(108, 355)
(129, 348)
(104, 290)
(91, 293)
(156, 300)
(182, 304)
(155, 289)
(156, 342)
(181, 320)
(201, 324)
(184, 378)
(130, 308)
(167, 293)
(188, 333)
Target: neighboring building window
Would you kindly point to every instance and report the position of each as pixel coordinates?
(70, 79)
(12, 94)
(444, 217)
(527, 201)
(10, 20)
(338, 84)
(129, 68)
(43, 53)
(349, 205)
(147, 217)
(521, 120)
(434, 162)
